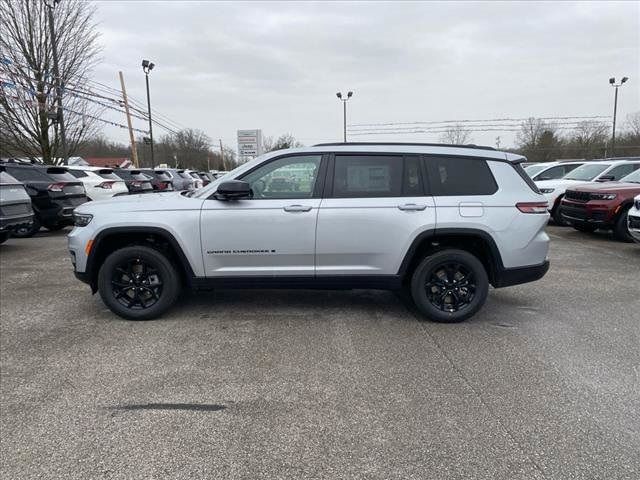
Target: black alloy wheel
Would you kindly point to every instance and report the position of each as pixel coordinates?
(449, 286)
(138, 282)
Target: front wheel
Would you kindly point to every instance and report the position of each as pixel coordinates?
(621, 229)
(449, 286)
(138, 283)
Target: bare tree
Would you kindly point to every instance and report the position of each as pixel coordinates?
(633, 124)
(28, 124)
(538, 140)
(285, 140)
(589, 139)
(456, 135)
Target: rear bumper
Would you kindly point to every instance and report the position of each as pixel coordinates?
(10, 223)
(508, 277)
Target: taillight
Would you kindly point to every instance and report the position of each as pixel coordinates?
(136, 183)
(107, 185)
(55, 187)
(532, 207)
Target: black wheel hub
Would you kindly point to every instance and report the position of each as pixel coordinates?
(136, 284)
(450, 286)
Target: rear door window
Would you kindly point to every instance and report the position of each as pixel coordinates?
(362, 176)
(620, 171)
(77, 173)
(458, 176)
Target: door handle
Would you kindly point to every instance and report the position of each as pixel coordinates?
(411, 207)
(297, 208)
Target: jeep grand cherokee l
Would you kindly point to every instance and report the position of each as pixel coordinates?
(602, 205)
(441, 222)
(54, 194)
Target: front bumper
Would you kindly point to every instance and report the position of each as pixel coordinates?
(596, 213)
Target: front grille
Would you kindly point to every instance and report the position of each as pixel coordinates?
(577, 196)
(634, 222)
(17, 209)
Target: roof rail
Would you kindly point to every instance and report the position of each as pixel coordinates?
(470, 145)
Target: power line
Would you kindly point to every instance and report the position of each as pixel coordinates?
(430, 122)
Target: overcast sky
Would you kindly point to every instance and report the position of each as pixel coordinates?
(221, 67)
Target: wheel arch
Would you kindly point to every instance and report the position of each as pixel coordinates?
(475, 241)
(114, 238)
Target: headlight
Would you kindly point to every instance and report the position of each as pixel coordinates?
(81, 219)
(602, 196)
(547, 190)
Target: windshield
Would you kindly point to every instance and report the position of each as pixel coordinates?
(533, 170)
(587, 172)
(632, 177)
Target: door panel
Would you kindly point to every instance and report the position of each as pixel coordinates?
(258, 237)
(368, 235)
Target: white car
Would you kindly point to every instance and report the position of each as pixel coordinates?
(100, 183)
(634, 219)
(600, 171)
(552, 170)
(197, 181)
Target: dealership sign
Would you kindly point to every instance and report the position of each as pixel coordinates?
(249, 144)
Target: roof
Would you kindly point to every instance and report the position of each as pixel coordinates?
(469, 145)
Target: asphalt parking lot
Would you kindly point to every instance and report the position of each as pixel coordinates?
(543, 383)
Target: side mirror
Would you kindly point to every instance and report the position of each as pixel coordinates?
(233, 190)
(606, 178)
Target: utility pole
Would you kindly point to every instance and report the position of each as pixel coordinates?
(222, 155)
(134, 151)
(612, 82)
(344, 111)
(59, 83)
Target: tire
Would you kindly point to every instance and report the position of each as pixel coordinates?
(4, 236)
(557, 217)
(621, 228)
(460, 264)
(585, 228)
(145, 267)
(26, 232)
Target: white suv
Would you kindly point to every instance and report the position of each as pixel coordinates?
(633, 219)
(441, 222)
(600, 171)
(99, 183)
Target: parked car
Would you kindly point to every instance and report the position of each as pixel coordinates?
(591, 206)
(197, 181)
(441, 222)
(206, 177)
(99, 183)
(182, 180)
(160, 179)
(634, 219)
(551, 170)
(54, 194)
(15, 205)
(598, 171)
(135, 180)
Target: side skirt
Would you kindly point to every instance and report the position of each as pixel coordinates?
(337, 282)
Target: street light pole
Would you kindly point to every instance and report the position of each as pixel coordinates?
(612, 82)
(344, 112)
(59, 83)
(147, 66)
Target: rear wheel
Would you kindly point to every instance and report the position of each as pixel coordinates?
(449, 286)
(138, 283)
(28, 231)
(621, 229)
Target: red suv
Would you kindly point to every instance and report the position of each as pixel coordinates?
(602, 205)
